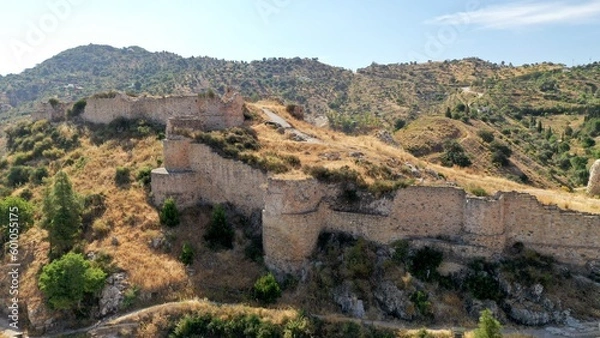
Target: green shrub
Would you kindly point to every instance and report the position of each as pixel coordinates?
(587, 142)
(401, 251)
(478, 191)
(206, 325)
(357, 261)
(529, 268)
(144, 176)
(482, 282)
(500, 147)
(122, 176)
(422, 303)
(340, 175)
(424, 263)
(100, 228)
(486, 135)
(382, 187)
(187, 254)
(498, 158)
(21, 158)
(130, 296)
(39, 146)
(67, 281)
(53, 102)
(489, 327)
(78, 108)
(26, 194)
(38, 174)
(169, 215)
(53, 153)
(18, 175)
(229, 143)
(454, 154)
(266, 289)
(219, 234)
(16, 217)
(399, 124)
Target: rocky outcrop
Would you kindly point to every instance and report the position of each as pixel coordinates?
(112, 294)
(530, 306)
(348, 301)
(593, 187)
(393, 301)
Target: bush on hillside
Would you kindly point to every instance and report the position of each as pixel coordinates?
(454, 154)
(266, 289)
(122, 176)
(169, 215)
(67, 281)
(220, 234)
(489, 327)
(187, 254)
(486, 135)
(18, 175)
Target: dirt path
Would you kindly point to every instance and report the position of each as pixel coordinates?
(111, 325)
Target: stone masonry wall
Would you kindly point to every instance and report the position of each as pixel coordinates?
(569, 236)
(193, 173)
(296, 212)
(208, 113)
(45, 110)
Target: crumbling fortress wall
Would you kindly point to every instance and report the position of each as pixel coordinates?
(209, 112)
(295, 212)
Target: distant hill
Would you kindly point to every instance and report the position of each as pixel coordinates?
(548, 114)
(384, 91)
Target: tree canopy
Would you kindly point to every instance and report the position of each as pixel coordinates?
(66, 281)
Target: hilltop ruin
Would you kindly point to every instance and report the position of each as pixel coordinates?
(294, 212)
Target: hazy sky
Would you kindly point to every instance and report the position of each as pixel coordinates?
(348, 33)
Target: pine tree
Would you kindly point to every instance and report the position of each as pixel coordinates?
(62, 215)
(489, 327)
(169, 215)
(448, 113)
(219, 233)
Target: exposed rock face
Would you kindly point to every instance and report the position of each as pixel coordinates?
(594, 269)
(112, 294)
(386, 137)
(475, 307)
(593, 187)
(348, 301)
(530, 306)
(394, 301)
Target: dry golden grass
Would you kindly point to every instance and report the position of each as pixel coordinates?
(127, 211)
(333, 142)
(380, 153)
(576, 201)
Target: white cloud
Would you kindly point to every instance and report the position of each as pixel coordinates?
(515, 14)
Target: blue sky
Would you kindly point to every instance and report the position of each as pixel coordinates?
(350, 33)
